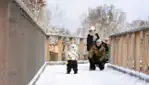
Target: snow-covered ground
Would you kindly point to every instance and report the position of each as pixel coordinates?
(56, 75)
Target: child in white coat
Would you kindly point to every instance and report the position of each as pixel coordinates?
(72, 58)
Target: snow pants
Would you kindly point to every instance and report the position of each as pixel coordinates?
(93, 64)
(72, 64)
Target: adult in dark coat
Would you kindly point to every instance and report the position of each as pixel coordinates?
(89, 40)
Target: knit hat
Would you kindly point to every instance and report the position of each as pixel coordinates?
(99, 41)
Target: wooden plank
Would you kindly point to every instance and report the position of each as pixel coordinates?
(137, 59)
(146, 52)
(128, 49)
(116, 51)
(147, 72)
(114, 56)
(112, 50)
(120, 48)
(144, 59)
(133, 50)
(125, 52)
(122, 51)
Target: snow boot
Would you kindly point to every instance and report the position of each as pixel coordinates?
(92, 67)
(101, 66)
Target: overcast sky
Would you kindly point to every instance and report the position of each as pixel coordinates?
(74, 9)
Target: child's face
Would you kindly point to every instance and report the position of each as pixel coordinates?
(72, 41)
(98, 43)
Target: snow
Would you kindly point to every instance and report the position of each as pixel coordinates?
(131, 72)
(56, 75)
(63, 62)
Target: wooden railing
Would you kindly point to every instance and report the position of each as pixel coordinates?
(57, 52)
(131, 49)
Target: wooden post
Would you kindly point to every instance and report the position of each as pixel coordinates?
(81, 49)
(59, 48)
(137, 60)
(47, 57)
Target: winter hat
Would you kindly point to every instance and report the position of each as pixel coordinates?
(99, 41)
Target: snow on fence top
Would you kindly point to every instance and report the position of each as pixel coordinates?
(131, 31)
(26, 8)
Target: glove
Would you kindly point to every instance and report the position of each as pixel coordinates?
(66, 62)
(68, 58)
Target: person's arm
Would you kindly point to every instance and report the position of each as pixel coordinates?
(88, 36)
(91, 53)
(103, 54)
(97, 37)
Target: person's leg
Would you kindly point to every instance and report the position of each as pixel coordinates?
(75, 66)
(92, 66)
(69, 67)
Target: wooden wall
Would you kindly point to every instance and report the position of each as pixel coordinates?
(131, 50)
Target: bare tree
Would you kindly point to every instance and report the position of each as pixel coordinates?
(67, 32)
(106, 19)
(56, 15)
(64, 31)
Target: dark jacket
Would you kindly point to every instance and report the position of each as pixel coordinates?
(89, 41)
(97, 54)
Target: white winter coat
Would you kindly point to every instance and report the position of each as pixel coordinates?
(73, 52)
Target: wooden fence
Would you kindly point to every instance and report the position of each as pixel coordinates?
(58, 51)
(131, 49)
